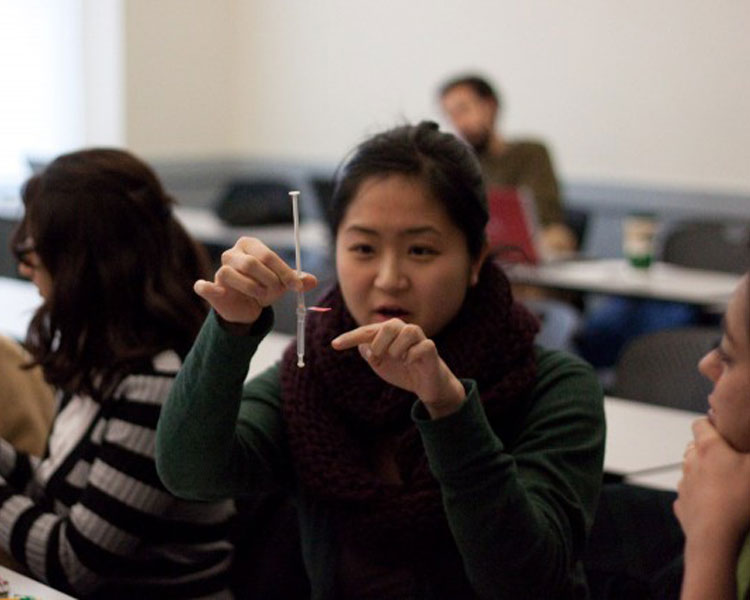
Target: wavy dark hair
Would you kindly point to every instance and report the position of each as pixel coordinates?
(122, 269)
(443, 163)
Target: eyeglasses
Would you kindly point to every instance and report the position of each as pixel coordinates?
(23, 251)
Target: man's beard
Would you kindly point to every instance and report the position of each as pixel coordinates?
(480, 142)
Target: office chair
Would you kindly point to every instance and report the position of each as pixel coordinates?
(577, 219)
(256, 201)
(559, 322)
(661, 368)
(714, 245)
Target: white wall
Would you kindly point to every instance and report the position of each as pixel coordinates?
(41, 108)
(180, 77)
(638, 92)
(103, 68)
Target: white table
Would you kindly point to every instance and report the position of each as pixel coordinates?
(666, 479)
(645, 443)
(11, 208)
(20, 585)
(18, 301)
(615, 276)
(269, 351)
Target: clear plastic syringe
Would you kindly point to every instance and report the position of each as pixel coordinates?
(301, 310)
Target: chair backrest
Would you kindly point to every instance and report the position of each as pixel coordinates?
(662, 368)
(8, 265)
(324, 186)
(256, 202)
(577, 220)
(513, 226)
(559, 322)
(715, 245)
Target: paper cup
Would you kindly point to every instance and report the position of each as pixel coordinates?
(638, 240)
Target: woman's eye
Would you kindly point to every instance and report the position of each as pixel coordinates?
(422, 251)
(363, 249)
(723, 355)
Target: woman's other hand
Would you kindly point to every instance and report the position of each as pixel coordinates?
(713, 507)
(714, 492)
(250, 278)
(402, 355)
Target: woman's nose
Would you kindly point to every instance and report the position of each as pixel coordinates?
(390, 275)
(710, 366)
(25, 270)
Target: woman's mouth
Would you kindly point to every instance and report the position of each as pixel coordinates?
(383, 313)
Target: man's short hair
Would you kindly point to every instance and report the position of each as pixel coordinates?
(480, 85)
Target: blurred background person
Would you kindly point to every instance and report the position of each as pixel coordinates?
(473, 108)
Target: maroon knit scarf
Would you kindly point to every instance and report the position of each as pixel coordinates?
(336, 407)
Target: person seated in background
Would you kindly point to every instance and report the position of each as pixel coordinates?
(26, 401)
(473, 107)
(114, 267)
(434, 451)
(713, 503)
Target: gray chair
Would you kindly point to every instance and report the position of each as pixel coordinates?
(715, 245)
(577, 220)
(8, 267)
(661, 368)
(559, 322)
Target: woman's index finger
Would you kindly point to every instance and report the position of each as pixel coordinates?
(351, 339)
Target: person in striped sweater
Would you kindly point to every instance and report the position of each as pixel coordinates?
(115, 269)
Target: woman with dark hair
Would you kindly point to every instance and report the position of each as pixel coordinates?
(713, 504)
(433, 450)
(114, 268)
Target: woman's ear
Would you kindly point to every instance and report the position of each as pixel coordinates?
(476, 264)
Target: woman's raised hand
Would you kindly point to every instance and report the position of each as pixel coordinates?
(402, 355)
(713, 507)
(250, 278)
(714, 492)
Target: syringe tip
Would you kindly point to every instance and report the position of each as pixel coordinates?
(300, 362)
(319, 309)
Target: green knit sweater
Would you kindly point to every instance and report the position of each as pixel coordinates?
(743, 571)
(519, 505)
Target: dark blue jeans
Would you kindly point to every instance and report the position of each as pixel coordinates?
(615, 320)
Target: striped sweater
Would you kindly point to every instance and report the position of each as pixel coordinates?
(93, 519)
